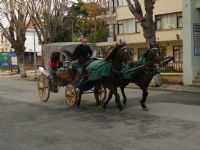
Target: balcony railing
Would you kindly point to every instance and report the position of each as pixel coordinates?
(175, 67)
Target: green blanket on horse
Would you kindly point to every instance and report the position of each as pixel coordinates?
(133, 71)
(98, 69)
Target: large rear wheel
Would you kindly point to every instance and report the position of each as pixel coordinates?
(43, 88)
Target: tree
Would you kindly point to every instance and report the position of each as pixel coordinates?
(47, 18)
(146, 20)
(14, 22)
(148, 25)
(93, 24)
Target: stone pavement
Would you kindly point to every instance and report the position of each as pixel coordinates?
(167, 87)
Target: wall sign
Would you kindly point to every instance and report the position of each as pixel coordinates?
(196, 34)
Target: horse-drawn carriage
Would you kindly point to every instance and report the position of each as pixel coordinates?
(107, 73)
(51, 80)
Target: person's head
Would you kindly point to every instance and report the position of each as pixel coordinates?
(84, 41)
(56, 55)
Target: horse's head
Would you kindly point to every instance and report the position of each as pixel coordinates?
(126, 55)
(120, 54)
(153, 53)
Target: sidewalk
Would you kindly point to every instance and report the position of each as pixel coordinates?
(171, 87)
(166, 87)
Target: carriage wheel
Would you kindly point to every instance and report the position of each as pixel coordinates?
(43, 88)
(102, 93)
(70, 95)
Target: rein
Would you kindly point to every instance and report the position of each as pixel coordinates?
(144, 65)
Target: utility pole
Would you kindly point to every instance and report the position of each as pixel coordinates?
(35, 67)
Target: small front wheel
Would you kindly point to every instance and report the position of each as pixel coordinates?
(70, 95)
(102, 93)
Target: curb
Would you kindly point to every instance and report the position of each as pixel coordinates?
(171, 89)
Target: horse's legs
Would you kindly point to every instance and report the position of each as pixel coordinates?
(108, 98)
(109, 95)
(113, 90)
(144, 97)
(96, 92)
(123, 94)
(122, 87)
(117, 99)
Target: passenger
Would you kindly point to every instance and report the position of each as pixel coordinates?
(54, 63)
(82, 52)
(54, 67)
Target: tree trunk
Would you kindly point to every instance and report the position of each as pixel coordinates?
(148, 27)
(20, 60)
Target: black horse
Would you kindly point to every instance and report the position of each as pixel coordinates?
(117, 57)
(141, 73)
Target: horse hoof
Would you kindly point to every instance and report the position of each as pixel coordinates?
(101, 109)
(121, 109)
(145, 108)
(124, 103)
(78, 104)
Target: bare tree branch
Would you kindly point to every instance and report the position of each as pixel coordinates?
(136, 10)
(47, 16)
(14, 22)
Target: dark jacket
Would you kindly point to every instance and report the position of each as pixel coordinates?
(82, 53)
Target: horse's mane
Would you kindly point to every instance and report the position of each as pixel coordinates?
(113, 51)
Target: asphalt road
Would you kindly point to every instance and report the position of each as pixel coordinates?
(26, 123)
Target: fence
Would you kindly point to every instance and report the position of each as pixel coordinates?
(175, 67)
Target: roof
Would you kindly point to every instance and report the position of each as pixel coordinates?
(48, 49)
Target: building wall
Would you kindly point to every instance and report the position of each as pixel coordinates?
(167, 38)
(4, 44)
(162, 35)
(30, 42)
(191, 63)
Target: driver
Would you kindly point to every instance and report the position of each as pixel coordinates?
(82, 52)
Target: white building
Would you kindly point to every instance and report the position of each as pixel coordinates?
(191, 42)
(32, 43)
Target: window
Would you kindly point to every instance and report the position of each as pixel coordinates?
(163, 51)
(158, 23)
(178, 53)
(111, 32)
(120, 28)
(2, 38)
(138, 27)
(128, 26)
(122, 2)
(180, 22)
(169, 21)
